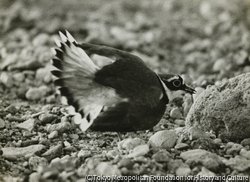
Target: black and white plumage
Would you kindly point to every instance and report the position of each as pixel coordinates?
(134, 96)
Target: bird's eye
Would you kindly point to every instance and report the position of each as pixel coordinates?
(177, 83)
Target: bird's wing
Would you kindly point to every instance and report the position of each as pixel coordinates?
(128, 75)
(76, 73)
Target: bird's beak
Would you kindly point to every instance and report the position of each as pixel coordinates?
(189, 90)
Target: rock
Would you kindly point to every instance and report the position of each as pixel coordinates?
(220, 64)
(107, 169)
(2, 123)
(125, 162)
(20, 152)
(11, 109)
(121, 34)
(203, 143)
(238, 163)
(60, 127)
(53, 152)
(31, 64)
(53, 134)
(199, 156)
(187, 103)
(47, 118)
(179, 122)
(28, 142)
(28, 125)
(162, 156)
(41, 39)
(112, 154)
(198, 90)
(245, 153)
(37, 93)
(35, 162)
(181, 146)
(9, 60)
(183, 170)
(6, 79)
(224, 109)
(174, 164)
(139, 150)
(18, 77)
(196, 133)
(84, 154)
(241, 57)
(205, 172)
(245, 142)
(130, 143)
(34, 177)
(233, 149)
(44, 74)
(175, 113)
(165, 139)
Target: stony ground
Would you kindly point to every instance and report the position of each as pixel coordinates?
(205, 41)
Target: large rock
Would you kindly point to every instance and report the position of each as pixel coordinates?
(224, 109)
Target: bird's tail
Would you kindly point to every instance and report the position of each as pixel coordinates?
(75, 78)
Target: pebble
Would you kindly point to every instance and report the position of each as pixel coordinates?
(130, 143)
(47, 118)
(31, 64)
(239, 163)
(37, 93)
(205, 172)
(245, 142)
(220, 64)
(19, 77)
(74, 136)
(35, 162)
(20, 152)
(8, 60)
(34, 177)
(60, 127)
(11, 109)
(179, 122)
(162, 156)
(165, 139)
(125, 162)
(41, 39)
(28, 143)
(175, 113)
(2, 123)
(245, 153)
(28, 125)
(44, 74)
(203, 143)
(181, 146)
(183, 170)
(107, 169)
(140, 150)
(53, 152)
(53, 134)
(6, 79)
(199, 156)
(111, 154)
(196, 133)
(217, 141)
(233, 149)
(84, 154)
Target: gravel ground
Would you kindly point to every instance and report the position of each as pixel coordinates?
(207, 42)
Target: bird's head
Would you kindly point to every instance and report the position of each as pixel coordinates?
(173, 83)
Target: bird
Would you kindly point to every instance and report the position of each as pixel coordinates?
(122, 96)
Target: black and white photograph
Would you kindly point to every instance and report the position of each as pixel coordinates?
(124, 90)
